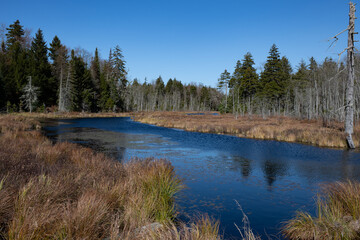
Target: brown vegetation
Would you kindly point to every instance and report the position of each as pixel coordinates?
(338, 215)
(71, 114)
(273, 128)
(64, 191)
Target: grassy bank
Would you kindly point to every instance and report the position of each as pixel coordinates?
(56, 115)
(272, 128)
(65, 191)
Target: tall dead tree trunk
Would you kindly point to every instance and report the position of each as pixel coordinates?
(349, 106)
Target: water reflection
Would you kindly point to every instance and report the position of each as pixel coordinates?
(271, 180)
(273, 169)
(241, 164)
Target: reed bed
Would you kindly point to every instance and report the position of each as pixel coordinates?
(272, 128)
(338, 215)
(64, 191)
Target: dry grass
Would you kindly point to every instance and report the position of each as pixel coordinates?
(64, 191)
(338, 215)
(70, 114)
(275, 128)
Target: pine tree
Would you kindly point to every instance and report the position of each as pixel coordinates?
(41, 71)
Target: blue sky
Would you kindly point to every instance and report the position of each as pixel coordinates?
(192, 40)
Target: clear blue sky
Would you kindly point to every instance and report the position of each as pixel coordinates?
(192, 40)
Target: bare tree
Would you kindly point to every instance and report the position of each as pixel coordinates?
(30, 95)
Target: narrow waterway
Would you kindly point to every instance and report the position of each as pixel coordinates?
(269, 179)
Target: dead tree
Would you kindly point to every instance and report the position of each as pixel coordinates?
(349, 105)
(349, 92)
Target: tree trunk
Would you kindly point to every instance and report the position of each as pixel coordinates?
(349, 107)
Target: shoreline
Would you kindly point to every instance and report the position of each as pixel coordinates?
(276, 128)
(279, 128)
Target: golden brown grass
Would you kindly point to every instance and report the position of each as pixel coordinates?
(275, 128)
(71, 114)
(63, 191)
(338, 215)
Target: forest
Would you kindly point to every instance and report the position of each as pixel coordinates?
(38, 77)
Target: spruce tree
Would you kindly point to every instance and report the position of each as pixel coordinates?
(55, 46)
(16, 66)
(117, 80)
(272, 80)
(15, 34)
(41, 71)
(248, 77)
(82, 88)
(96, 81)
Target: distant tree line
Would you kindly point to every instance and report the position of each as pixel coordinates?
(37, 77)
(313, 91)
(34, 76)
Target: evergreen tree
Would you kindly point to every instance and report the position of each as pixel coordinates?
(235, 79)
(55, 46)
(15, 68)
(272, 81)
(82, 88)
(15, 34)
(41, 71)
(59, 56)
(117, 80)
(96, 81)
(301, 76)
(248, 77)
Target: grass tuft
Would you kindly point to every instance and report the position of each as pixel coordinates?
(338, 215)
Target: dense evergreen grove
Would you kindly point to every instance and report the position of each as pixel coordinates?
(35, 76)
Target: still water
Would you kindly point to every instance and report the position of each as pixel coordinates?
(269, 179)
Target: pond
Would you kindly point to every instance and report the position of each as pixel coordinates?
(269, 179)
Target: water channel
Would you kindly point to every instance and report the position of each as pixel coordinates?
(269, 179)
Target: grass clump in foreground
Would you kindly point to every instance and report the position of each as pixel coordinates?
(338, 215)
(63, 191)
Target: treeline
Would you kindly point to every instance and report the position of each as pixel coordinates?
(35, 77)
(174, 96)
(313, 91)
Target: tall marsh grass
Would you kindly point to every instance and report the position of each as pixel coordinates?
(64, 191)
(338, 215)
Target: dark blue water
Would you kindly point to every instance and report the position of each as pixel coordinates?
(269, 179)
